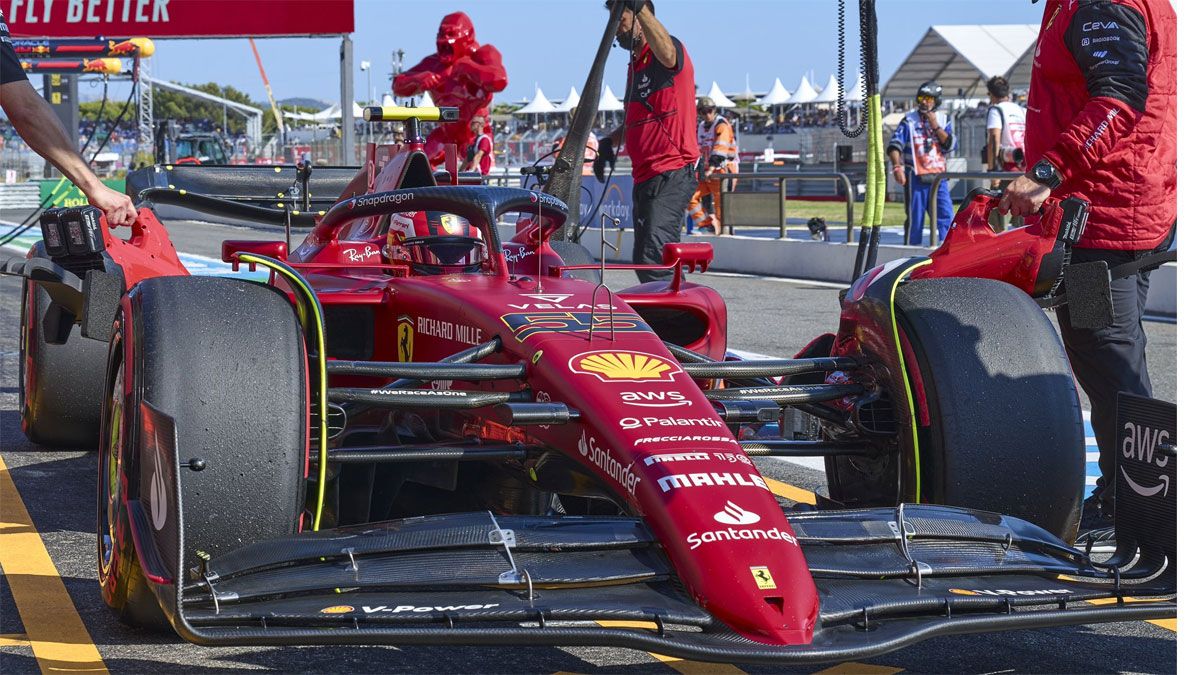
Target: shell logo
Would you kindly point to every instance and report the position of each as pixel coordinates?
(338, 609)
(623, 366)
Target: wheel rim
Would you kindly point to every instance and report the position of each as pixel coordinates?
(110, 475)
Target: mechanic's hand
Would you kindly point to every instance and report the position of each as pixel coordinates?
(634, 6)
(1023, 197)
(118, 208)
(604, 155)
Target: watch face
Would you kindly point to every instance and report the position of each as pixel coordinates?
(1042, 171)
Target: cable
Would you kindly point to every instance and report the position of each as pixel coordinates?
(99, 118)
(26, 224)
(843, 113)
(579, 231)
(31, 219)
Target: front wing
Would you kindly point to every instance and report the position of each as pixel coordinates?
(887, 578)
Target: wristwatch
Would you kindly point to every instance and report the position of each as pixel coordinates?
(1044, 172)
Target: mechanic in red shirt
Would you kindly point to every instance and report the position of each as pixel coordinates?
(1101, 125)
(659, 133)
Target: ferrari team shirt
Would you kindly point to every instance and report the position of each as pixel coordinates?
(660, 114)
(10, 66)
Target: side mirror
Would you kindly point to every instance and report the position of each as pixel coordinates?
(267, 249)
(689, 255)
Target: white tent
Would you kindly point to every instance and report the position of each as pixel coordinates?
(569, 103)
(804, 93)
(539, 105)
(748, 94)
(333, 112)
(854, 95)
(778, 94)
(719, 98)
(609, 101)
(426, 101)
(964, 58)
(830, 93)
(389, 100)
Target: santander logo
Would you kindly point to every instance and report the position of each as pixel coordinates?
(733, 514)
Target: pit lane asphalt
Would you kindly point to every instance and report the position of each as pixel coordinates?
(772, 317)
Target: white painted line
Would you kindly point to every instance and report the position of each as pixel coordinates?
(751, 356)
(785, 280)
(814, 463)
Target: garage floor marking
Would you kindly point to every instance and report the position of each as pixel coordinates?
(14, 640)
(787, 491)
(54, 630)
(680, 665)
(855, 668)
(1169, 624)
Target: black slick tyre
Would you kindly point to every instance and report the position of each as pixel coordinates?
(225, 360)
(62, 385)
(575, 254)
(998, 416)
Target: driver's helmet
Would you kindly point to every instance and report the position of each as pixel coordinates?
(448, 243)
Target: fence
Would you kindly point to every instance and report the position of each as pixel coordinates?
(758, 204)
(937, 183)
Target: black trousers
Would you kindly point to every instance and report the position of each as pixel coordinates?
(1111, 359)
(659, 204)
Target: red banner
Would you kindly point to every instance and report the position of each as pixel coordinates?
(178, 18)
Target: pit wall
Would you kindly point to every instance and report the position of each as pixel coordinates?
(821, 261)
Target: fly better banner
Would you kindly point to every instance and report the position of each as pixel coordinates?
(178, 18)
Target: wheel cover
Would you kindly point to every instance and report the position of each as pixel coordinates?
(110, 476)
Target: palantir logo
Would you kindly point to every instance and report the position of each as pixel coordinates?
(733, 514)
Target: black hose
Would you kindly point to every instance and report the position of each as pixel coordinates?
(843, 113)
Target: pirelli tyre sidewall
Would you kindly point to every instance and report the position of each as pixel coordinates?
(61, 386)
(123, 586)
(225, 360)
(999, 425)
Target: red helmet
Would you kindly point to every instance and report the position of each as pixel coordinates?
(456, 37)
(434, 242)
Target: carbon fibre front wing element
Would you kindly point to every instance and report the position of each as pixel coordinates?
(887, 578)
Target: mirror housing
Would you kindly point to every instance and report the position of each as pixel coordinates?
(689, 255)
(267, 249)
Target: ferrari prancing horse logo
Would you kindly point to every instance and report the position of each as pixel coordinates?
(404, 339)
(762, 577)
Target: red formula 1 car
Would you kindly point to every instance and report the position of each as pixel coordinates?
(413, 432)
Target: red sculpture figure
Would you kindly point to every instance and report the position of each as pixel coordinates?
(463, 74)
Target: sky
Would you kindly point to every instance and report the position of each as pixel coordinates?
(551, 43)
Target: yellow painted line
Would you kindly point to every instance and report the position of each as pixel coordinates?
(802, 496)
(54, 630)
(791, 492)
(680, 665)
(1169, 624)
(14, 640)
(855, 668)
